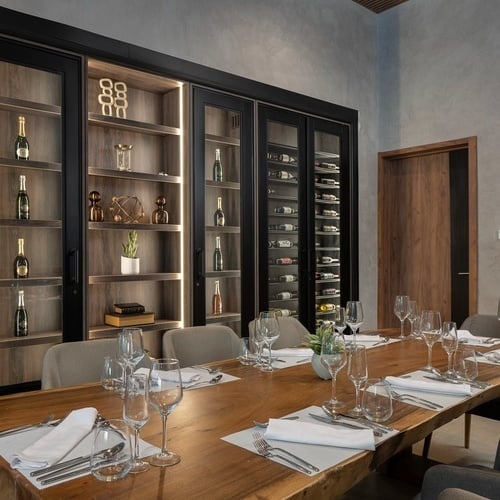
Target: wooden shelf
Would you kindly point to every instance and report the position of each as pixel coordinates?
(140, 176)
(31, 223)
(223, 185)
(31, 339)
(36, 108)
(103, 331)
(23, 282)
(223, 318)
(35, 165)
(223, 229)
(327, 233)
(132, 125)
(223, 274)
(113, 278)
(219, 139)
(114, 226)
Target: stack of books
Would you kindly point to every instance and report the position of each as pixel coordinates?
(129, 314)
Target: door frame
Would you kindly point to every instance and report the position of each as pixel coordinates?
(385, 159)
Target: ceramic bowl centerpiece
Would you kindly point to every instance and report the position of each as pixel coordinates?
(130, 264)
(313, 341)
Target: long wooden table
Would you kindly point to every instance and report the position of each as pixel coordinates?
(212, 468)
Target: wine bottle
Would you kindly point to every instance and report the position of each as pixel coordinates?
(286, 295)
(21, 317)
(285, 210)
(217, 167)
(23, 201)
(326, 259)
(217, 300)
(21, 264)
(329, 229)
(326, 307)
(285, 260)
(218, 262)
(328, 197)
(286, 158)
(328, 212)
(329, 291)
(284, 174)
(21, 146)
(283, 227)
(284, 312)
(326, 276)
(287, 278)
(219, 217)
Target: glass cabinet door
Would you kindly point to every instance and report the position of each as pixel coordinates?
(223, 288)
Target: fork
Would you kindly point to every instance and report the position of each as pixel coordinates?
(263, 451)
(260, 441)
(416, 399)
(212, 371)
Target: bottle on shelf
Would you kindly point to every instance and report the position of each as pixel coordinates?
(280, 244)
(329, 229)
(219, 217)
(329, 291)
(217, 169)
(326, 259)
(21, 146)
(217, 300)
(284, 278)
(160, 215)
(284, 261)
(285, 175)
(286, 295)
(329, 213)
(285, 210)
(21, 317)
(326, 307)
(21, 264)
(23, 201)
(283, 227)
(218, 261)
(286, 158)
(284, 312)
(326, 276)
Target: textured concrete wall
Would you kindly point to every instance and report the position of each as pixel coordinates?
(440, 80)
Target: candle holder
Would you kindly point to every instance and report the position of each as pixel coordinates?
(123, 157)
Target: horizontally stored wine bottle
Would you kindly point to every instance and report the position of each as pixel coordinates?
(284, 260)
(21, 264)
(23, 201)
(21, 317)
(217, 167)
(219, 217)
(287, 278)
(21, 146)
(218, 262)
(326, 307)
(285, 210)
(326, 259)
(217, 300)
(286, 295)
(284, 174)
(284, 312)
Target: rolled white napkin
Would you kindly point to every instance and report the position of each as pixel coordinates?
(364, 338)
(309, 433)
(430, 386)
(292, 351)
(58, 442)
(188, 375)
(466, 336)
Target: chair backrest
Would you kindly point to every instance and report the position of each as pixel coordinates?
(483, 325)
(195, 345)
(73, 363)
(292, 332)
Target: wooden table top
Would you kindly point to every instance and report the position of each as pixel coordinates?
(212, 468)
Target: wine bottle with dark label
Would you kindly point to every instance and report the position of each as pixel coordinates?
(21, 146)
(217, 170)
(286, 295)
(23, 201)
(218, 262)
(21, 317)
(217, 300)
(219, 217)
(285, 210)
(284, 260)
(21, 264)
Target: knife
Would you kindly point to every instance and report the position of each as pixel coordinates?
(328, 420)
(68, 475)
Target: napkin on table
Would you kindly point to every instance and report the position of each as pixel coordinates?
(430, 386)
(292, 351)
(188, 375)
(57, 443)
(309, 433)
(465, 335)
(364, 338)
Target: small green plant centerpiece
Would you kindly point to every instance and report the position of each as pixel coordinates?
(129, 261)
(313, 341)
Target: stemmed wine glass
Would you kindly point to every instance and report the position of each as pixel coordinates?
(333, 357)
(354, 316)
(401, 311)
(339, 319)
(136, 414)
(430, 330)
(130, 350)
(449, 341)
(165, 393)
(412, 316)
(357, 371)
(269, 331)
(258, 341)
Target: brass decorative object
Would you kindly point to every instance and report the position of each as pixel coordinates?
(126, 209)
(113, 98)
(96, 213)
(160, 215)
(123, 157)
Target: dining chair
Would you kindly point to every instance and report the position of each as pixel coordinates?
(74, 363)
(292, 332)
(195, 345)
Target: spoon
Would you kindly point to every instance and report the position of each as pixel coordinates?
(382, 341)
(213, 380)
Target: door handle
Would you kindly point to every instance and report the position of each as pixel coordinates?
(463, 274)
(73, 267)
(200, 265)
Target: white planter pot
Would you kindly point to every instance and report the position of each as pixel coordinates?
(130, 265)
(320, 369)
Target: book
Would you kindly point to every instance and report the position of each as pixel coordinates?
(129, 319)
(129, 308)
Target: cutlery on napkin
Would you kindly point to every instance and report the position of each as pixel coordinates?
(429, 386)
(188, 375)
(309, 433)
(52, 447)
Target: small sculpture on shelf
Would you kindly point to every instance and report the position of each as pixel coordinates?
(160, 215)
(126, 209)
(123, 157)
(96, 213)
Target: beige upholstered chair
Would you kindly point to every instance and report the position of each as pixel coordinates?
(73, 363)
(195, 345)
(292, 332)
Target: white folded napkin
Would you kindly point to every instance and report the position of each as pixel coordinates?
(292, 351)
(58, 442)
(430, 386)
(309, 433)
(467, 336)
(188, 375)
(364, 338)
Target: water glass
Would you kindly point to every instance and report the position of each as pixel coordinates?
(466, 364)
(377, 400)
(111, 452)
(246, 357)
(112, 373)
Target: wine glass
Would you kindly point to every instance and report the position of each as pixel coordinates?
(430, 330)
(339, 319)
(333, 357)
(269, 331)
(136, 414)
(412, 316)
(401, 311)
(377, 400)
(165, 393)
(466, 364)
(130, 348)
(354, 316)
(357, 371)
(257, 340)
(449, 341)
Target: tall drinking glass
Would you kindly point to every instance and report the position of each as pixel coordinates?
(257, 340)
(269, 331)
(357, 371)
(430, 330)
(354, 316)
(401, 311)
(413, 315)
(449, 341)
(165, 393)
(339, 319)
(130, 349)
(333, 357)
(466, 364)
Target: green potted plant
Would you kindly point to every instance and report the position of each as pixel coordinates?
(313, 341)
(130, 263)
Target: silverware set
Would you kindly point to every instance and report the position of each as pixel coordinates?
(46, 422)
(342, 423)
(404, 397)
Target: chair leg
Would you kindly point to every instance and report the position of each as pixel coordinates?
(468, 418)
(427, 445)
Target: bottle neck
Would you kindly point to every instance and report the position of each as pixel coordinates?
(219, 203)
(20, 300)
(217, 291)
(22, 183)
(217, 242)
(22, 132)
(20, 244)
(217, 155)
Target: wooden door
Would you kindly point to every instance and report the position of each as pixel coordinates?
(416, 242)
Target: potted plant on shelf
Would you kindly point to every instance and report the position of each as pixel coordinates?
(129, 261)
(313, 341)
